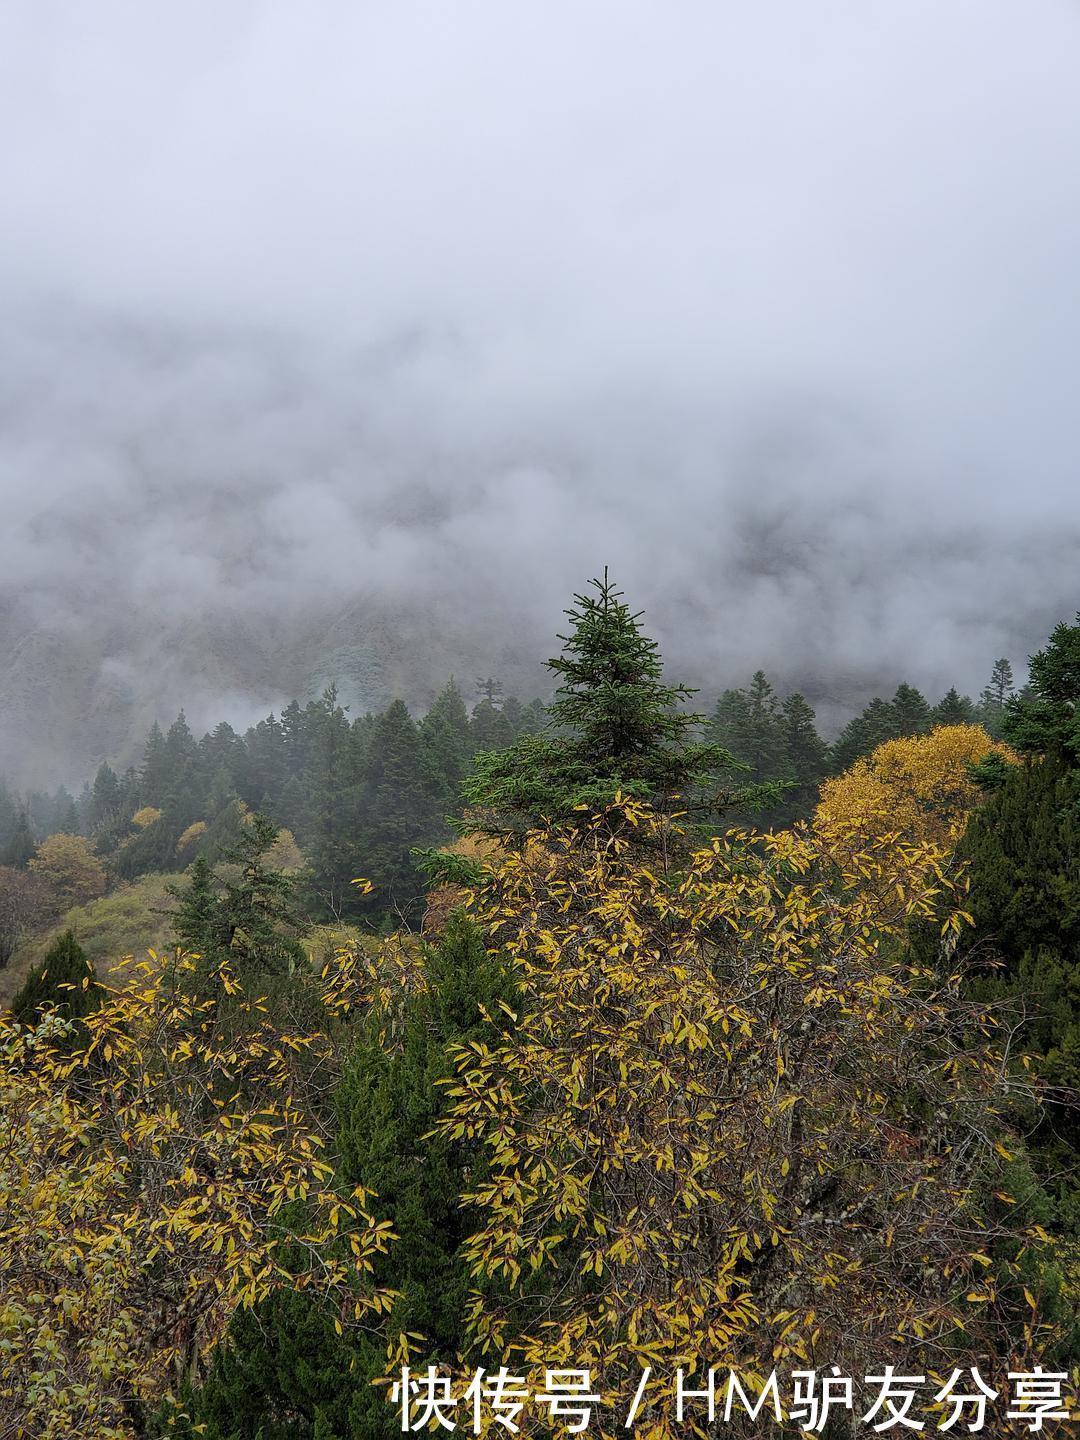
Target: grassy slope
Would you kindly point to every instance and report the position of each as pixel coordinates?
(128, 921)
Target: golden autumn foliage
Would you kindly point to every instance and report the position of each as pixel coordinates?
(917, 787)
(68, 865)
(732, 1126)
(168, 1170)
(147, 816)
(187, 841)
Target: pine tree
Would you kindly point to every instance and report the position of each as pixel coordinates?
(65, 813)
(748, 723)
(1023, 852)
(264, 763)
(1001, 684)
(180, 750)
(198, 923)
(513, 716)
(489, 728)
(294, 739)
(388, 1105)
(613, 725)
(491, 690)
(280, 1373)
(752, 726)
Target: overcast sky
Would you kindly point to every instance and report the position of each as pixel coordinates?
(773, 307)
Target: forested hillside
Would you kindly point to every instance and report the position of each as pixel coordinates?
(685, 1039)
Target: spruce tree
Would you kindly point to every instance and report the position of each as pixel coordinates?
(294, 739)
(180, 757)
(1045, 719)
(489, 728)
(1001, 685)
(198, 923)
(1022, 849)
(263, 761)
(773, 744)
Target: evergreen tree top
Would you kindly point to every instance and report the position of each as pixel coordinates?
(1045, 718)
(611, 691)
(614, 724)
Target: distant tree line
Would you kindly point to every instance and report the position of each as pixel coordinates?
(359, 795)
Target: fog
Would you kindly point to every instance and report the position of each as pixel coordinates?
(344, 341)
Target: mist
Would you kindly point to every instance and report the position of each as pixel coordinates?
(344, 342)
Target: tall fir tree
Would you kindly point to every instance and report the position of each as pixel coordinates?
(995, 696)
(748, 723)
(154, 777)
(1045, 718)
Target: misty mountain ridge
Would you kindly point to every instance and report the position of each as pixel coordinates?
(221, 522)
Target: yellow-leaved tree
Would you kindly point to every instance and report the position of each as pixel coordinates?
(70, 869)
(919, 787)
(732, 1126)
(159, 1168)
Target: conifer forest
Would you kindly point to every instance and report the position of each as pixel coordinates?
(539, 720)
